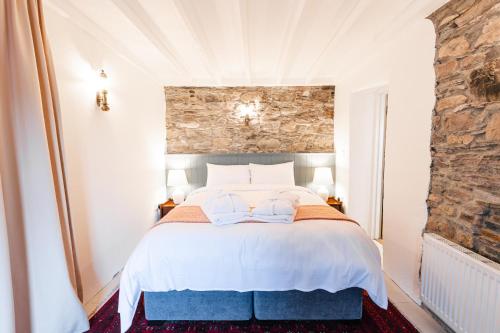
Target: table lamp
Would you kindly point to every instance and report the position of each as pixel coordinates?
(177, 179)
(322, 178)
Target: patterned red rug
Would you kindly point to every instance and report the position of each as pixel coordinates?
(375, 320)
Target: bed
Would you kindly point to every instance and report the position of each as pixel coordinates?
(311, 269)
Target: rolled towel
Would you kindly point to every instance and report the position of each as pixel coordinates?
(274, 206)
(225, 208)
(294, 199)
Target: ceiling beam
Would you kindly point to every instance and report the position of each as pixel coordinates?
(191, 20)
(291, 27)
(138, 16)
(344, 27)
(76, 16)
(241, 12)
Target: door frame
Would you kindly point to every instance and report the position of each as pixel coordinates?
(379, 143)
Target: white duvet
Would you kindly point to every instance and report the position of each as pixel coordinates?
(304, 255)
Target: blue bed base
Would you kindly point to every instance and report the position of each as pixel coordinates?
(346, 304)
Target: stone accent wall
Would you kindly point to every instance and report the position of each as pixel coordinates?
(289, 119)
(464, 196)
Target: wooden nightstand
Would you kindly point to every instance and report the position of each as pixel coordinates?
(166, 207)
(335, 203)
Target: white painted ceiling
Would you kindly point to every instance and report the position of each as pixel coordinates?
(245, 42)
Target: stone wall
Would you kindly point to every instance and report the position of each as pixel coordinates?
(288, 119)
(464, 196)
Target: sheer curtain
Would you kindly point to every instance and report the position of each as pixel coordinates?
(39, 280)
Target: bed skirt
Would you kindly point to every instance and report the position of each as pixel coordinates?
(198, 305)
(346, 304)
(264, 305)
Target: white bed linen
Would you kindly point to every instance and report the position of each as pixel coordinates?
(305, 255)
(281, 173)
(227, 174)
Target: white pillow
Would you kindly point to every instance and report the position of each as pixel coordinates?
(227, 174)
(281, 174)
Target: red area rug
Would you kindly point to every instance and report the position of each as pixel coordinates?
(375, 320)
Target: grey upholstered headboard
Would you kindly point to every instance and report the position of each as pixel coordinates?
(196, 170)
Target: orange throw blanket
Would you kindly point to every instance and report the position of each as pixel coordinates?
(194, 214)
(320, 212)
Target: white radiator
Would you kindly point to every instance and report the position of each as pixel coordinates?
(460, 286)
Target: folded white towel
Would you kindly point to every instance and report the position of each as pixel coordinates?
(224, 202)
(226, 208)
(274, 206)
(287, 218)
(228, 218)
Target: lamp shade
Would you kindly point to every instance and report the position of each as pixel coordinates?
(176, 178)
(323, 176)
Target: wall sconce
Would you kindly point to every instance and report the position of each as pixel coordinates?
(102, 93)
(248, 110)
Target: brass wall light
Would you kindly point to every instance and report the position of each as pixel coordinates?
(102, 93)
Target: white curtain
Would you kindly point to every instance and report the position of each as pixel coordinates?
(39, 280)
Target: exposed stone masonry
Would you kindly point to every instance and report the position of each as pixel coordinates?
(289, 119)
(464, 196)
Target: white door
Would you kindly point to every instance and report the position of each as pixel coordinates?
(366, 158)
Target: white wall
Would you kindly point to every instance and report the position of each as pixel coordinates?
(406, 67)
(115, 159)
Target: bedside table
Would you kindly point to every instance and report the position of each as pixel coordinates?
(166, 207)
(335, 203)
